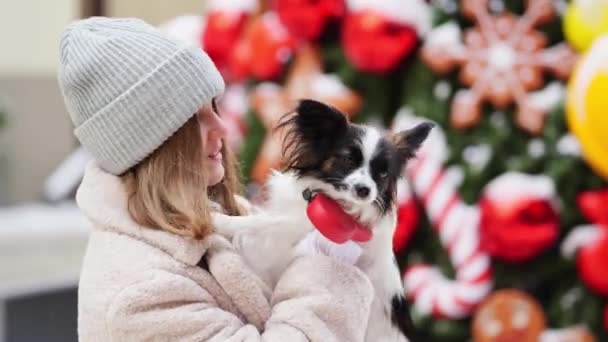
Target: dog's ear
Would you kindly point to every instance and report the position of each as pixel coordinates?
(318, 123)
(310, 132)
(409, 141)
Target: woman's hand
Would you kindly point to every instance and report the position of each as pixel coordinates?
(314, 244)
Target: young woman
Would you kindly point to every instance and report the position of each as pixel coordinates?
(154, 269)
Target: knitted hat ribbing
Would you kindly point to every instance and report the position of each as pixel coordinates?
(128, 88)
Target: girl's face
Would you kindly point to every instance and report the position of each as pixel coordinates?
(213, 130)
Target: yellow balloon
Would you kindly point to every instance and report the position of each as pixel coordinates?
(584, 21)
(587, 105)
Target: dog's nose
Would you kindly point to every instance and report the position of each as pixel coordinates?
(362, 190)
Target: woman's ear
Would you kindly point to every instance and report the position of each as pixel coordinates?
(409, 141)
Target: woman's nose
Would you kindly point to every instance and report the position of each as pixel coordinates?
(218, 127)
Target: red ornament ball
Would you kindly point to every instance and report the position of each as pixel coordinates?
(594, 205)
(517, 230)
(221, 33)
(263, 51)
(407, 220)
(306, 19)
(591, 264)
(374, 43)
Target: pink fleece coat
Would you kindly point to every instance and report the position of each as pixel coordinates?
(141, 284)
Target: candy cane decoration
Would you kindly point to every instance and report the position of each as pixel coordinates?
(457, 225)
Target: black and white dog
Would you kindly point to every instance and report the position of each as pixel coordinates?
(357, 166)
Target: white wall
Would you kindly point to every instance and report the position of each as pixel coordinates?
(153, 11)
(39, 133)
(29, 34)
(30, 29)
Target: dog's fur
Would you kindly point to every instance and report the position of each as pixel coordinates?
(353, 164)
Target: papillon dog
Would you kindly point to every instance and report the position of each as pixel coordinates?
(356, 165)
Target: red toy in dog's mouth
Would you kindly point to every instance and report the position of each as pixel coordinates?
(333, 222)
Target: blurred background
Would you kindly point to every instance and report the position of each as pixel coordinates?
(42, 234)
(503, 215)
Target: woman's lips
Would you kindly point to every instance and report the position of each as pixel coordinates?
(215, 156)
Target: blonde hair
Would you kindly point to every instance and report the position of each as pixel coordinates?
(168, 190)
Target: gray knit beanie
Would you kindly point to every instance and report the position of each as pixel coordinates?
(128, 88)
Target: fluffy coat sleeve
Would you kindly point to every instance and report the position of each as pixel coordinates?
(316, 299)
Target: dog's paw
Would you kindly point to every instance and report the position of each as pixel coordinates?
(246, 242)
(223, 224)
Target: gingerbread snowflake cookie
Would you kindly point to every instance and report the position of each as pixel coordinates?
(502, 59)
(512, 315)
(509, 315)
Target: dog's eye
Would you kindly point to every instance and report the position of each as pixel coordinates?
(380, 166)
(350, 156)
(345, 153)
(349, 160)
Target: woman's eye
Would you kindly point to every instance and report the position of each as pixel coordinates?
(214, 106)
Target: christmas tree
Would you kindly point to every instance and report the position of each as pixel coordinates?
(507, 198)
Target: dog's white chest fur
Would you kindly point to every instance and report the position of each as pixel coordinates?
(266, 241)
(378, 262)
